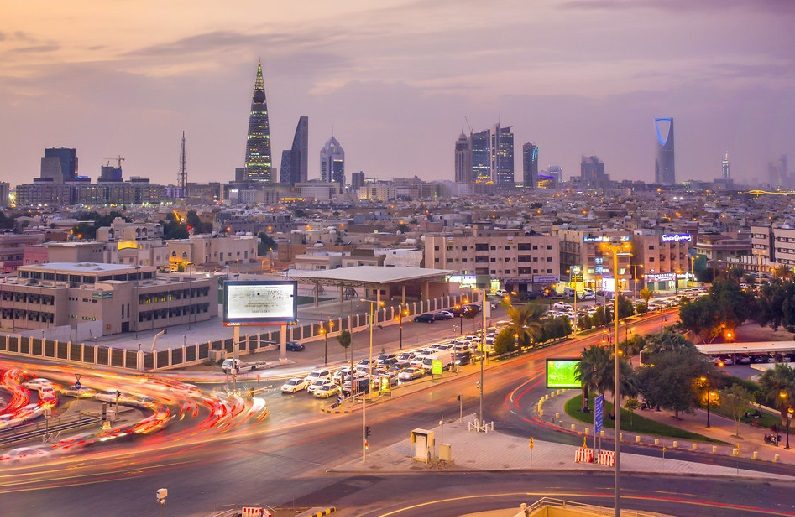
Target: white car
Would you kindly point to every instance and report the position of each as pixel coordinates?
(326, 390)
(318, 374)
(317, 384)
(294, 385)
(36, 384)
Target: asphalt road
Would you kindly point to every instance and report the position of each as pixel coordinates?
(284, 460)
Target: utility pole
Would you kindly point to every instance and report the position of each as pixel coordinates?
(482, 358)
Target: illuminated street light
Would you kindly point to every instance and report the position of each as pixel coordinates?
(617, 248)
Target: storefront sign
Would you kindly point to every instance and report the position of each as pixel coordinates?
(605, 238)
(545, 279)
(661, 277)
(677, 237)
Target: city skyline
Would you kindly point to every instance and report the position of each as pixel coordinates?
(150, 85)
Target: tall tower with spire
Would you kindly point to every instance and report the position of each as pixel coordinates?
(258, 145)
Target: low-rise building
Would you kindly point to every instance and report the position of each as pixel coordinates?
(104, 298)
(521, 261)
(661, 260)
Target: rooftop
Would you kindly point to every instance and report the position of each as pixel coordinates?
(83, 267)
(369, 275)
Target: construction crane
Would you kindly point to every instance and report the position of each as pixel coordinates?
(118, 159)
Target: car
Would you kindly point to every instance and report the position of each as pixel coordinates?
(318, 374)
(472, 308)
(410, 374)
(294, 346)
(425, 317)
(340, 374)
(462, 358)
(317, 383)
(743, 359)
(325, 391)
(35, 384)
(294, 385)
(386, 359)
(443, 315)
(443, 346)
(405, 356)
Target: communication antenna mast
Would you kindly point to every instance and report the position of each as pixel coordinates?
(182, 176)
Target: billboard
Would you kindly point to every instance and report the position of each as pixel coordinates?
(561, 373)
(260, 302)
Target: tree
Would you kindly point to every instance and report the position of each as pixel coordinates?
(646, 294)
(631, 405)
(173, 228)
(778, 381)
(195, 224)
(504, 342)
(584, 322)
(736, 400)
(594, 371)
(666, 341)
(266, 244)
(782, 272)
(525, 323)
(625, 307)
(632, 346)
(776, 304)
(344, 339)
(6, 223)
(700, 317)
(670, 382)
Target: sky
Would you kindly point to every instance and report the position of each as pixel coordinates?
(397, 81)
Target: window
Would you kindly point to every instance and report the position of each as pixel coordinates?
(651, 259)
(507, 259)
(482, 258)
(524, 246)
(464, 248)
(481, 247)
(549, 259)
(492, 259)
(549, 247)
(535, 259)
(449, 248)
(493, 248)
(525, 258)
(507, 248)
(464, 260)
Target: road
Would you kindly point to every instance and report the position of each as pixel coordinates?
(284, 459)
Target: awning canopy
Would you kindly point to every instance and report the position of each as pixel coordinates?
(369, 275)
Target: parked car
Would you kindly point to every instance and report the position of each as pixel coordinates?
(294, 385)
(294, 346)
(425, 317)
(405, 356)
(35, 384)
(317, 384)
(443, 315)
(411, 374)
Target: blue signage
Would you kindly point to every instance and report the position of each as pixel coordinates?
(598, 413)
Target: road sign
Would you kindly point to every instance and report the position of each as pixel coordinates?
(436, 367)
(532, 443)
(598, 413)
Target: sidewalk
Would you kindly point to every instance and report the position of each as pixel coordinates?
(721, 428)
(494, 451)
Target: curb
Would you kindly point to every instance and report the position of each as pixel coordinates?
(318, 512)
(335, 410)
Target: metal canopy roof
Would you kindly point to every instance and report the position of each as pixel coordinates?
(368, 275)
(747, 348)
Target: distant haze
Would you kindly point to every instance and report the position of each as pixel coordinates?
(396, 81)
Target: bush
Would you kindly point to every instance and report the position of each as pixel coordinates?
(504, 342)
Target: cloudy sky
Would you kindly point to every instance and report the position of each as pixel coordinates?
(395, 80)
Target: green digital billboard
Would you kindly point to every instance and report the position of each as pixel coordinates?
(562, 373)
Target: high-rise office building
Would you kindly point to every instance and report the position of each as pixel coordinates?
(357, 180)
(480, 145)
(530, 165)
(592, 172)
(59, 165)
(258, 146)
(332, 163)
(725, 167)
(463, 159)
(664, 164)
(293, 167)
(502, 156)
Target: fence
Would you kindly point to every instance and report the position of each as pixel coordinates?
(198, 353)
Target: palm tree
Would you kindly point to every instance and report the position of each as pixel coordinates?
(525, 322)
(594, 371)
(778, 388)
(344, 339)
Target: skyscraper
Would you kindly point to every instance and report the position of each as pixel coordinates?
(530, 165)
(480, 145)
(725, 167)
(664, 164)
(332, 163)
(592, 172)
(258, 145)
(463, 159)
(59, 165)
(502, 157)
(293, 167)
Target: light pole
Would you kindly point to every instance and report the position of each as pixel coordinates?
(325, 334)
(401, 313)
(705, 385)
(373, 304)
(789, 421)
(482, 359)
(616, 249)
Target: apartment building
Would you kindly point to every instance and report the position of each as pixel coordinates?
(774, 244)
(585, 259)
(103, 298)
(212, 250)
(661, 261)
(12, 249)
(521, 261)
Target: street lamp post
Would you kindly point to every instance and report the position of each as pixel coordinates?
(617, 248)
(373, 304)
(789, 421)
(705, 385)
(325, 352)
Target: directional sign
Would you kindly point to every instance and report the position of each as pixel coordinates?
(436, 367)
(598, 413)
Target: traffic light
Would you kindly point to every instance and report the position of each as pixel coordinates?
(366, 445)
(367, 431)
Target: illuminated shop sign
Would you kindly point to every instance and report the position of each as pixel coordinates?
(677, 237)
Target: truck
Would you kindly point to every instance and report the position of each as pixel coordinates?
(236, 365)
(447, 357)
